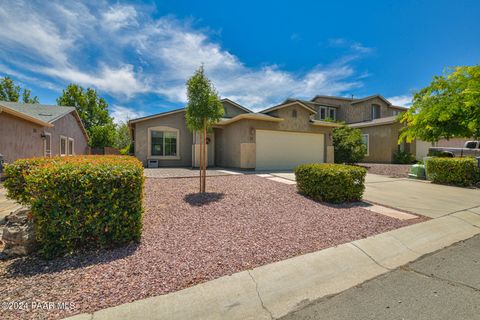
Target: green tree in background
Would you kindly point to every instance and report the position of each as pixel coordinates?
(93, 111)
(123, 138)
(449, 107)
(11, 92)
(204, 109)
(348, 145)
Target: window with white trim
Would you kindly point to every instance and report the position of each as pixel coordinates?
(332, 114)
(63, 145)
(71, 146)
(47, 145)
(366, 142)
(163, 142)
(323, 113)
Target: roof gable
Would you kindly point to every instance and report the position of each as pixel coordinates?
(370, 98)
(288, 103)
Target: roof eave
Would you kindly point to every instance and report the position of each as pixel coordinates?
(24, 116)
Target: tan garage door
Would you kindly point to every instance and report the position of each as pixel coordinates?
(286, 150)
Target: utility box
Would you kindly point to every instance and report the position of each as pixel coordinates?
(417, 171)
(152, 163)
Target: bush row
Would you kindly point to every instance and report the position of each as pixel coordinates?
(80, 202)
(334, 183)
(455, 171)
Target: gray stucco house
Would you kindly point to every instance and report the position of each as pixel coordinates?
(36, 130)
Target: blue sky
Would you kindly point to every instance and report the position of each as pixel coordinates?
(139, 54)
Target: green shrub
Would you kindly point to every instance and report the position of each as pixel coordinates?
(335, 183)
(403, 157)
(455, 171)
(80, 202)
(348, 145)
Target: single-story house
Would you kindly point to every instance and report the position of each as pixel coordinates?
(280, 137)
(36, 130)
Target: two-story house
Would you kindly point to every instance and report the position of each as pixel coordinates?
(280, 137)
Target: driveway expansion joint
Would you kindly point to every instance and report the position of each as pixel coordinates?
(399, 240)
(465, 221)
(259, 297)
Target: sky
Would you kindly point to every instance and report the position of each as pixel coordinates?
(138, 55)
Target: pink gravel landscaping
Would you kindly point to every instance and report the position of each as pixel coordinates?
(388, 169)
(243, 222)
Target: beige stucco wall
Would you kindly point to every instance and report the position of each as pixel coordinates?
(19, 138)
(22, 139)
(383, 142)
(231, 110)
(68, 126)
(175, 120)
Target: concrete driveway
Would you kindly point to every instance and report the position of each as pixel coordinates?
(421, 197)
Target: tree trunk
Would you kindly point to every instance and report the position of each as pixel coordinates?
(201, 163)
(205, 162)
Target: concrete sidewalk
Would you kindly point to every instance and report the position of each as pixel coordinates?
(277, 289)
(444, 285)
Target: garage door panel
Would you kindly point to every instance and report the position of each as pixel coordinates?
(286, 150)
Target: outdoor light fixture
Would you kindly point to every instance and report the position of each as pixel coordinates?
(43, 135)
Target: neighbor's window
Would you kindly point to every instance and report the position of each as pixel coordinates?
(70, 146)
(323, 113)
(63, 146)
(294, 113)
(375, 111)
(47, 144)
(332, 114)
(163, 143)
(366, 142)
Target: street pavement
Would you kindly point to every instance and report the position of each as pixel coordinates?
(443, 285)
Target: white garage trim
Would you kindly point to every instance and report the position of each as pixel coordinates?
(277, 150)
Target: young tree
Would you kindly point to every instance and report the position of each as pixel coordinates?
(203, 110)
(11, 92)
(93, 111)
(448, 107)
(348, 145)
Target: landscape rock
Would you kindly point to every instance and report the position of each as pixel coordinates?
(18, 234)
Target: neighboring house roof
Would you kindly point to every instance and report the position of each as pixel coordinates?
(166, 113)
(332, 97)
(41, 114)
(251, 116)
(157, 115)
(376, 122)
(237, 105)
(399, 107)
(325, 123)
(288, 103)
(311, 104)
(355, 101)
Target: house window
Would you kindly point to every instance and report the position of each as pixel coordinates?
(323, 113)
(47, 145)
(163, 143)
(63, 145)
(332, 114)
(375, 111)
(294, 113)
(366, 142)
(395, 112)
(71, 144)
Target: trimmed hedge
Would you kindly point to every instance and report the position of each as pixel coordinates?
(334, 183)
(455, 171)
(80, 202)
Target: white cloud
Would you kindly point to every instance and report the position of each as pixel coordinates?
(119, 16)
(123, 114)
(124, 51)
(402, 101)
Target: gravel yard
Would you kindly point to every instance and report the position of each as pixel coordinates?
(388, 169)
(243, 222)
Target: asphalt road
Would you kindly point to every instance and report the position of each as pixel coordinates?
(443, 285)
